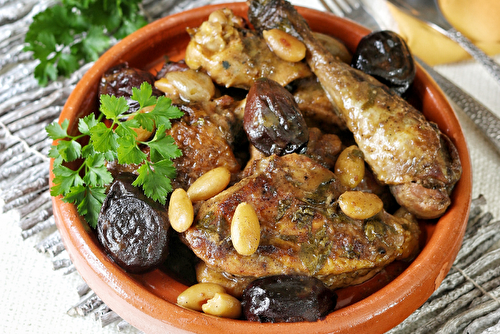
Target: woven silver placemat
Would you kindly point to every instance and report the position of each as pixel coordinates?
(467, 301)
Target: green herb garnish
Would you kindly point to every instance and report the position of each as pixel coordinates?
(63, 36)
(119, 141)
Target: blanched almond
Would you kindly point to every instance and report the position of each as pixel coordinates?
(223, 305)
(245, 229)
(209, 184)
(180, 210)
(360, 205)
(196, 295)
(284, 45)
(350, 166)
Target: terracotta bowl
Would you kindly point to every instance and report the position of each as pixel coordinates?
(148, 301)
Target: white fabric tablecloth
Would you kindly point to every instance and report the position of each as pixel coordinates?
(35, 298)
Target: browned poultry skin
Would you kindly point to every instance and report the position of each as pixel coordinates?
(234, 285)
(315, 106)
(203, 149)
(323, 147)
(234, 56)
(402, 148)
(302, 229)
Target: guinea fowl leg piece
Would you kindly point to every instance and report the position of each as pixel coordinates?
(404, 150)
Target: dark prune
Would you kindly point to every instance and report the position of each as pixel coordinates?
(385, 56)
(285, 298)
(120, 79)
(272, 121)
(133, 229)
(171, 66)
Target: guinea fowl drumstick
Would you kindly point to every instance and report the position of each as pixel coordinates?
(404, 150)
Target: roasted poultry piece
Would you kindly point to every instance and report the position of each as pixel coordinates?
(235, 56)
(315, 105)
(403, 149)
(303, 231)
(207, 136)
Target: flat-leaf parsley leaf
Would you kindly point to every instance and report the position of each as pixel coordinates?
(75, 31)
(85, 186)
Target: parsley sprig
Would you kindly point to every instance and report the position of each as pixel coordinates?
(64, 36)
(85, 186)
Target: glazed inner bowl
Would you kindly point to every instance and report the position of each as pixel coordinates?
(147, 301)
